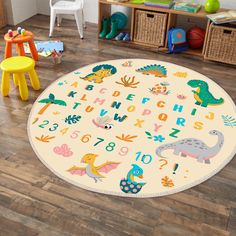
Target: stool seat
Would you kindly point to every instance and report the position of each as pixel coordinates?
(19, 40)
(18, 66)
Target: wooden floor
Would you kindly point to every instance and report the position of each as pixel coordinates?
(33, 201)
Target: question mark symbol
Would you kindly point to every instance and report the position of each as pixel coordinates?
(164, 163)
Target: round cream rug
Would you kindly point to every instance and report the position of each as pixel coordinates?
(134, 128)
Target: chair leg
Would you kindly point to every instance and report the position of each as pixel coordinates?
(23, 89)
(79, 22)
(8, 50)
(33, 50)
(21, 49)
(34, 79)
(52, 22)
(59, 20)
(84, 24)
(5, 86)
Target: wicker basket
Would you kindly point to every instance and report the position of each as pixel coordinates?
(150, 28)
(221, 44)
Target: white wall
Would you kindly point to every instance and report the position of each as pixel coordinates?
(91, 8)
(23, 9)
(43, 7)
(20, 10)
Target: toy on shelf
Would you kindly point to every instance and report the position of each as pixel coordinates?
(137, 1)
(223, 17)
(196, 37)
(159, 3)
(116, 1)
(19, 37)
(187, 6)
(212, 6)
(117, 21)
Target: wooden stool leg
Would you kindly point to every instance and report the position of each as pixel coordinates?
(15, 80)
(5, 86)
(21, 50)
(34, 79)
(8, 50)
(23, 89)
(33, 50)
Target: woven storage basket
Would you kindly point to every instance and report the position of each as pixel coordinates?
(150, 28)
(221, 44)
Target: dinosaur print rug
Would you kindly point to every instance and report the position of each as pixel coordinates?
(133, 128)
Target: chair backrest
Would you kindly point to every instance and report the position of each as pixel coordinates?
(51, 3)
(77, 1)
(80, 2)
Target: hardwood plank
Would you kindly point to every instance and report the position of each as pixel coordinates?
(85, 211)
(36, 202)
(232, 222)
(179, 225)
(6, 227)
(46, 213)
(12, 223)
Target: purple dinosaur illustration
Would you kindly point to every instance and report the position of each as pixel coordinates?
(194, 148)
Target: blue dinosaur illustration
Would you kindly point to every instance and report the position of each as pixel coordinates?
(128, 184)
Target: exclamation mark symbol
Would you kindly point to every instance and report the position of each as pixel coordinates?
(176, 166)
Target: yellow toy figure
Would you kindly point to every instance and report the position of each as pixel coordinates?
(100, 72)
(91, 170)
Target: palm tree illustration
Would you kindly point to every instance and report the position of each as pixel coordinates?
(49, 101)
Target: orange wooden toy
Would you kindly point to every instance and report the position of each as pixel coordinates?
(19, 39)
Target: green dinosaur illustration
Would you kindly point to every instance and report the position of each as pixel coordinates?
(202, 95)
(100, 72)
(156, 70)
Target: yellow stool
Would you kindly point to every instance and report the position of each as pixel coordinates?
(18, 66)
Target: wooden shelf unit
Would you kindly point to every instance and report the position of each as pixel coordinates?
(105, 11)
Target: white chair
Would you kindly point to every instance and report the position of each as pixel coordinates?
(67, 7)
